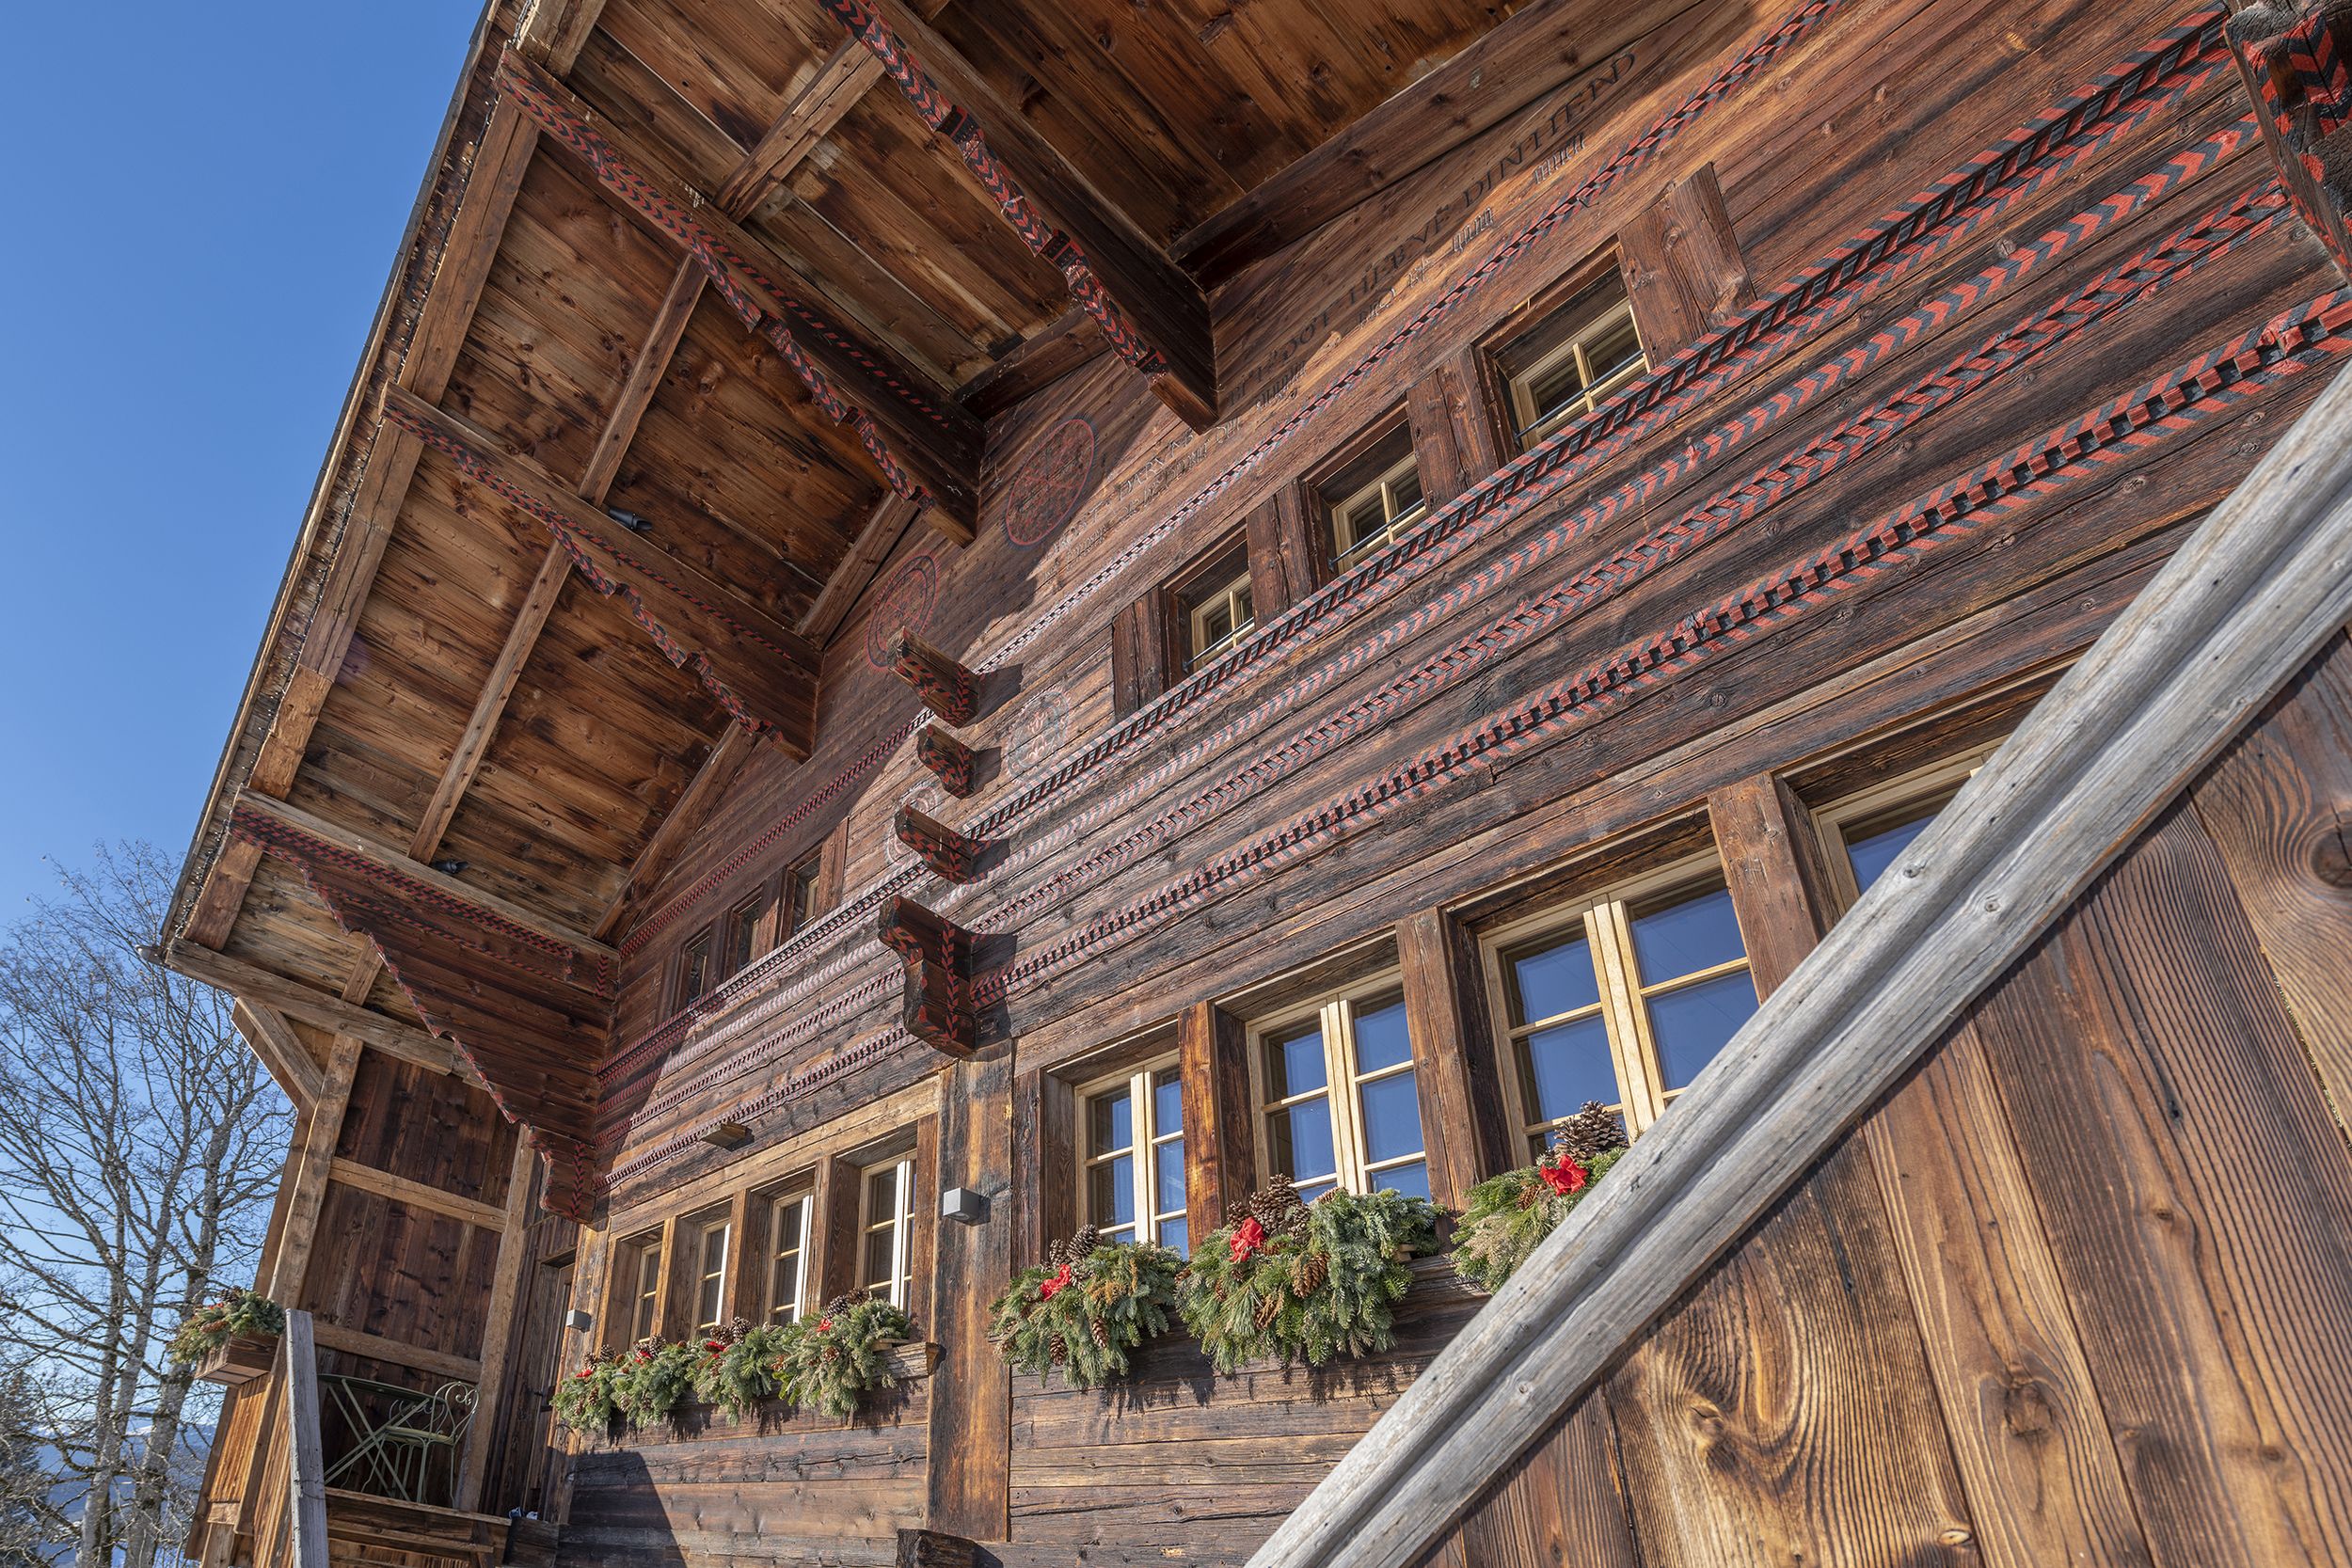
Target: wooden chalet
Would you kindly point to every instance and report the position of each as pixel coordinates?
(935, 621)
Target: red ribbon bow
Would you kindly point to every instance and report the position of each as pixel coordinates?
(1566, 1178)
(823, 1323)
(1248, 1237)
(1062, 1279)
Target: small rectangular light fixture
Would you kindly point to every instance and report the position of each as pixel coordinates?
(963, 1203)
(727, 1135)
(578, 1320)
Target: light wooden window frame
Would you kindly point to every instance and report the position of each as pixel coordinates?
(1335, 1016)
(1151, 1221)
(644, 1292)
(704, 943)
(746, 926)
(791, 1215)
(1530, 425)
(900, 1222)
(1605, 919)
(1338, 507)
(798, 894)
(708, 1281)
(1235, 598)
(1862, 815)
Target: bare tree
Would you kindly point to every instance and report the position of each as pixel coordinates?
(139, 1142)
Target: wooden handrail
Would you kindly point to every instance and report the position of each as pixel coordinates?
(306, 1472)
(2259, 586)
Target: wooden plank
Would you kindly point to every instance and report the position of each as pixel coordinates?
(509, 142)
(2214, 1308)
(214, 912)
(670, 321)
(389, 859)
(1285, 562)
(1070, 342)
(252, 982)
(291, 1267)
(281, 1051)
(701, 795)
(1560, 1503)
(841, 79)
(876, 538)
(376, 1347)
(1461, 1102)
(1681, 264)
(1780, 891)
(422, 1195)
(971, 1401)
(298, 1365)
(2277, 805)
(1220, 1167)
(553, 32)
(498, 1319)
(1147, 307)
(2264, 580)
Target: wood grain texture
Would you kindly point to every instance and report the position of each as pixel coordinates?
(970, 1489)
(1220, 1164)
(1461, 1101)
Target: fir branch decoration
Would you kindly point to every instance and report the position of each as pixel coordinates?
(584, 1402)
(1087, 1308)
(653, 1380)
(1508, 1214)
(735, 1370)
(1286, 1282)
(215, 1322)
(842, 1356)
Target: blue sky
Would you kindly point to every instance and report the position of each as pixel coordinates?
(208, 198)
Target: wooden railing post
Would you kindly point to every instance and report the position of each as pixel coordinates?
(306, 1470)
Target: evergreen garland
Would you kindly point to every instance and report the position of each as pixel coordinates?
(836, 1360)
(1508, 1214)
(653, 1380)
(1087, 1308)
(1284, 1282)
(584, 1402)
(737, 1370)
(215, 1322)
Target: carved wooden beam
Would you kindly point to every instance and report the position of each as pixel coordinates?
(761, 671)
(2296, 57)
(553, 32)
(930, 1548)
(952, 856)
(1151, 312)
(926, 446)
(946, 688)
(252, 983)
(950, 760)
(938, 1007)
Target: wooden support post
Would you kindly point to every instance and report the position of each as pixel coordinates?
(832, 1231)
(1044, 1198)
(930, 1548)
(1772, 867)
(1461, 1102)
(306, 1470)
(1286, 551)
(971, 1390)
(938, 955)
(1143, 656)
(1220, 1166)
(1682, 265)
(497, 1327)
(252, 983)
(951, 855)
(292, 1264)
(281, 1051)
(944, 686)
(947, 759)
(1437, 407)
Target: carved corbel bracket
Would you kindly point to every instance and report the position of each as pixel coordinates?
(952, 856)
(938, 954)
(2296, 57)
(950, 760)
(947, 688)
(930, 1548)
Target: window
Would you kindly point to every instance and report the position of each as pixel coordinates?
(886, 1229)
(1372, 499)
(693, 969)
(1568, 363)
(710, 1275)
(1866, 833)
(1622, 1002)
(744, 922)
(1214, 610)
(787, 1256)
(1132, 1157)
(800, 891)
(641, 1265)
(1367, 1134)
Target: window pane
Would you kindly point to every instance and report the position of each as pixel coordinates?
(784, 1288)
(1405, 492)
(881, 1194)
(1696, 933)
(1871, 856)
(1615, 348)
(714, 1248)
(1555, 980)
(1174, 1233)
(1168, 1102)
(1168, 1176)
(1110, 1122)
(707, 1307)
(1412, 1180)
(1294, 1066)
(1692, 1023)
(877, 1257)
(1381, 1039)
(1311, 1191)
(1392, 1117)
(1111, 1191)
(1564, 1067)
(1301, 1141)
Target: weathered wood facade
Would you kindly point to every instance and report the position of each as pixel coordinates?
(838, 626)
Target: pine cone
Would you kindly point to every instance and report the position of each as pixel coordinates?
(1057, 1348)
(1101, 1330)
(1268, 1309)
(1277, 1208)
(1313, 1270)
(1085, 1241)
(1588, 1134)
